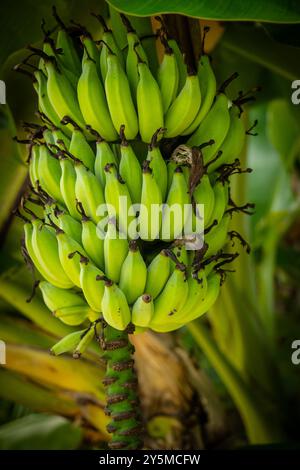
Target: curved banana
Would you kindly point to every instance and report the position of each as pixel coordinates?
(49, 172)
(92, 240)
(204, 194)
(34, 165)
(69, 225)
(208, 87)
(220, 201)
(130, 168)
(197, 293)
(135, 49)
(158, 273)
(171, 299)
(115, 251)
(92, 289)
(142, 310)
(104, 155)
(182, 72)
(177, 208)
(114, 306)
(168, 75)
(68, 343)
(150, 216)
(58, 279)
(149, 103)
(45, 105)
(67, 248)
(184, 108)
(218, 236)
(119, 97)
(214, 126)
(157, 163)
(86, 339)
(56, 298)
(73, 316)
(108, 44)
(117, 198)
(80, 149)
(213, 289)
(133, 274)
(92, 101)
(67, 185)
(88, 191)
(62, 95)
(45, 248)
(233, 142)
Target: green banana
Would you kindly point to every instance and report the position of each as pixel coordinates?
(66, 249)
(65, 43)
(218, 236)
(157, 163)
(45, 105)
(57, 299)
(88, 191)
(117, 196)
(150, 216)
(233, 142)
(85, 341)
(119, 98)
(182, 72)
(92, 101)
(108, 44)
(73, 316)
(204, 194)
(130, 168)
(90, 52)
(92, 240)
(115, 251)
(67, 185)
(168, 75)
(80, 148)
(68, 343)
(220, 201)
(208, 87)
(184, 108)
(69, 225)
(115, 308)
(172, 298)
(92, 289)
(61, 94)
(104, 155)
(214, 126)
(45, 247)
(197, 293)
(133, 274)
(56, 278)
(213, 289)
(149, 103)
(142, 310)
(135, 49)
(49, 172)
(176, 210)
(158, 273)
(34, 165)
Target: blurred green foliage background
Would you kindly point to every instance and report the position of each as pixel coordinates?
(229, 374)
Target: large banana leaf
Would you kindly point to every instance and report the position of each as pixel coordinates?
(277, 11)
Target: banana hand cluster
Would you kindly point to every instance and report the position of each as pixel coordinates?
(99, 108)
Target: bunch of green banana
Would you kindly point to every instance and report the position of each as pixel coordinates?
(142, 263)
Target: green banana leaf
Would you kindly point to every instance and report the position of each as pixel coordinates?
(277, 11)
(40, 432)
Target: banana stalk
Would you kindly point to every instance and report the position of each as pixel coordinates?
(121, 391)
